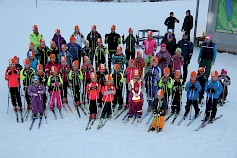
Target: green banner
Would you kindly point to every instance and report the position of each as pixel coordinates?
(227, 16)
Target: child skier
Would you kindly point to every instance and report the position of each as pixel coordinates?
(159, 105)
(165, 84)
(50, 64)
(119, 80)
(164, 57)
(140, 63)
(55, 83)
(86, 69)
(64, 70)
(12, 75)
(93, 90)
(36, 91)
(202, 79)
(193, 88)
(177, 92)
(75, 78)
(43, 81)
(43, 53)
(225, 80)
(108, 91)
(54, 50)
(119, 58)
(100, 53)
(87, 51)
(135, 100)
(101, 80)
(65, 53)
(16, 61)
(213, 89)
(33, 60)
(26, 76)
(177, 61)
(152, 78)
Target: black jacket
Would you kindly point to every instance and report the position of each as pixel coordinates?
(170, 21)
(92, 38)
(188, 23)
(113, 40)
(130, 41)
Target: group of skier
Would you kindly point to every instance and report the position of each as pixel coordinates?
(103, 84)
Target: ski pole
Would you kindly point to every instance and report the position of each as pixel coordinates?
(8, 100)
(103, 105)
(191, 105)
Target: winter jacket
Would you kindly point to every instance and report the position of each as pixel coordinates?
(171, 47)
(54, 51)
(216, 85)
(92, 38)
(133, 81)
(101, 77)
(170, 21)
(35, 39)
(117, 76)
(177, 62)
(149, 46)
(34, 63)
(67, 55)
(59, 40)
(166, 84)
(163, 106)
(187, 48)
(64, 71)
(202, 80)
(43, 79)
(79, 38)
(193, 94)
(131, 97)
(225, 80)
(164, 59)
(101, 52)
(74, 77)
(119, 59)
(86, 51)
(93, 90)
(86, 70)
(129, 74)
(13, 77)
(113, 40)
(26, 76)
(152, 78)
(208, 51)
(75, 51)
(49, 66)
(55, 83)
(140, 63)
(188, 23)
(32, 89)
(43, 54)
(177, 87)
(130, 42)
(108, 93)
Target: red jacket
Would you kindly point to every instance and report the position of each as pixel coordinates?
(13, 79)
(108, 93)
(93, 90)
(49, 65)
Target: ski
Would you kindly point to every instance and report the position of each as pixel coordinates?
(194, 118)
(26, 115)
(60, 113)
(32, 123)
(54, 114)
(22, 119)
(175, 117)
(204, 123)
(64, 107)
(40, 121)
(181, 120)
(88, 124)
(169, 116)
(78, 112)
(100, 123)
(126, 120)
(103, 123)
(92, 123)
(17, 118)
(83, 110)
(45, 117)
(134, 119)
(69, 107)
(144, 116)
(125, 117)
(149, 119)
(120, 113)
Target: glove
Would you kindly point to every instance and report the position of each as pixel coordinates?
(40, 92)
(123, 37)
(90, 88)
(15, 72)
(122, 80)
(9, 73)
(95, 87)
(177, 21)
(81, 77)
(35, 94)
(212, 63)
(213, 90)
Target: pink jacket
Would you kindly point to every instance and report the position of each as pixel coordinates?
(129, 71)
(177, 62)
(149, 46)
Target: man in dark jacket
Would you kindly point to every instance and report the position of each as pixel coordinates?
(188, 23)
(187, 52)
(170, 21)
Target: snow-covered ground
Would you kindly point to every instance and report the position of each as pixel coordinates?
(67, 137)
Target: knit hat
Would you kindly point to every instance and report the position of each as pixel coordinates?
(214, 74)
(201, 69)
(160, 93)
(167, 70)
(223, 71)
(52, 56)
(178, 50)
(35, 27)
(193, 74)
(40, 67)
(54, 69)
(209, 37)
(57, 31)
(26, 61)
(99, 40)
(93, 27)
(76, 27)
(163, 45)
(75, 63)
(130, 29)
(113, 27)
(116, 66)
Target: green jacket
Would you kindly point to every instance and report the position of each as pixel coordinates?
(26, 76)
(35, 39)
(165, 85)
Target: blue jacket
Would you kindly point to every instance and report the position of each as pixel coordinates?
(119, 59)
(75, 51)
(210, 45)
(214, 85)
(152, 78)
(67, 56)
(34, 63)
(187, 48)
(193, 94)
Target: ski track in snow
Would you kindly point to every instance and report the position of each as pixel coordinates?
(67, 137)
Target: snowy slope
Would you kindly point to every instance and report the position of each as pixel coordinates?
(67, 137)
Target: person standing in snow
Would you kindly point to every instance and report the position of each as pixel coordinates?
(74, 49)
(33, 60)
(202, 79)
(187, 52)
(58, 39)
(43, 53)
(225, 80)
(170, 22)
(207, 54)
(65, 53)
(54, 50)
(170, 44)
(164, 57)
(79, 36)
(188, 23)
(35, 37)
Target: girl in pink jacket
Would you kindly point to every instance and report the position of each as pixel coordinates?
(177, 60)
